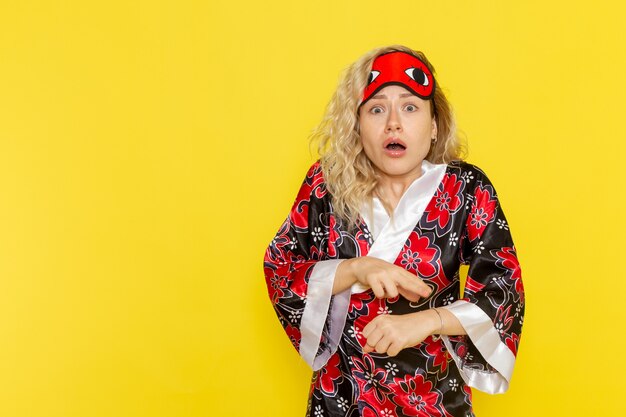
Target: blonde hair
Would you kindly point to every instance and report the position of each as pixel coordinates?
(350, 177)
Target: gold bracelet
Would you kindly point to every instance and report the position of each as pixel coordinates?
(440, 319)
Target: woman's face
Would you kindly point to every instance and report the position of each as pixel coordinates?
(396, 131)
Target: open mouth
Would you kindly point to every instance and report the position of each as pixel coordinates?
(393, 146)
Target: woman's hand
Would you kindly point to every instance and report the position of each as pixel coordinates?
(385, 279)
(391, 333)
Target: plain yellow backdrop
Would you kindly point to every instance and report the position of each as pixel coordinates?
(149, 151)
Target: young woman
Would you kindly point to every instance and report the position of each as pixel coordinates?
(364, 272)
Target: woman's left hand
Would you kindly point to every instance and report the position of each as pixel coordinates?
(391, 333)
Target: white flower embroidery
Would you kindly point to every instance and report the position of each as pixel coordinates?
(468, 356)
(294, 315)
(354, 332)
(453, 384)
(502, 224)
(500, 327)
(386, 413)
(417, 401)
(392, 368)
(384, 310)
(292, 243)
(467, 176)
(453, 239)
(448, 300)
(342, 404)
(521, 320)
(480, 247)
(317, 234)
(318, 411)
(371, 379)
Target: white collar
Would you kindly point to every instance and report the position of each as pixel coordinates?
(390, 236)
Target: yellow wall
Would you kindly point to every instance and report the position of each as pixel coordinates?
(150, 150)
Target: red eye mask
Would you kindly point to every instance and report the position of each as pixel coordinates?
(400, 68)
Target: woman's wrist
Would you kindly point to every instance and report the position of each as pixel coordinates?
(344, 276)
(432, 320)
(440, 331)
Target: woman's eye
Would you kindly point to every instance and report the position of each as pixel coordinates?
(411, 107)
(376, 110)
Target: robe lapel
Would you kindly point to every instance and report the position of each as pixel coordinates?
(390, 235)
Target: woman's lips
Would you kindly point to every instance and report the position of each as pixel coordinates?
(394, 147)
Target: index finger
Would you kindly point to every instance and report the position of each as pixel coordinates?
(414, 284)
(409, 295)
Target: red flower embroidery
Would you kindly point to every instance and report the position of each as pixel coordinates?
(417, 397)
(508, 260)
(419, 257)
(327, 378)
(438, 356)
(359, 301)
(375, 306)
(461, 347)
(503, 320)
(299, 214)
(446, 201)
(275, 285)
(371, 380)
(512, 343)
(385, 409)
(294, 335)
(483, 213)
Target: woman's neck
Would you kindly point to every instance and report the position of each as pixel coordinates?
(390, 189)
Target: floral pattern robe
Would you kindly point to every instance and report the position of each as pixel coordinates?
(449, 216)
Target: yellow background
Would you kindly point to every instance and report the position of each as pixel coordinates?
(150, 150)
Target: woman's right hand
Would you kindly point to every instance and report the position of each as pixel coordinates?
(385, 279)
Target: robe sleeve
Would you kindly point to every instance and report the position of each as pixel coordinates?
(492, 307)
(299, 267)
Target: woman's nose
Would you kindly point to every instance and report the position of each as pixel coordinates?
(393, 122)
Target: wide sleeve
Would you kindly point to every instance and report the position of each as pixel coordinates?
(492, 307)
(299, 267)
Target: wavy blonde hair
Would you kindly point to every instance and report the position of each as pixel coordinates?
(350, 176)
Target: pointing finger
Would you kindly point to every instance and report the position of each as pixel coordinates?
(409, 295)
(415, 285)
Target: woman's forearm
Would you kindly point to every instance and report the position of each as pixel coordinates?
(441, 321)
(446, 323)
(344, 276)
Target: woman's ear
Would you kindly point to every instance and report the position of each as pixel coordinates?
(434, 128)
